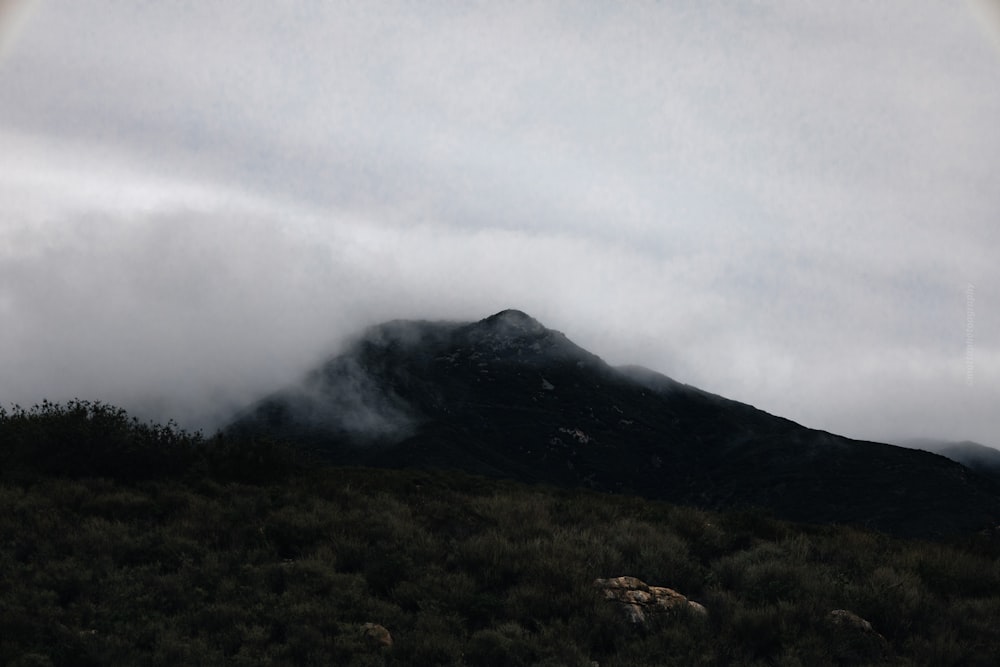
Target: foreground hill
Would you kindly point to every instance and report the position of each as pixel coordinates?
(240, 553)
(506, 397)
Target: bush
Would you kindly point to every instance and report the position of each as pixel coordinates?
(90, 439)
(207, 566)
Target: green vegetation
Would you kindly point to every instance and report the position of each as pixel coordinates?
(127, 543)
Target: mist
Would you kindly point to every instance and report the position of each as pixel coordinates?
(13, 15)
(783, 205)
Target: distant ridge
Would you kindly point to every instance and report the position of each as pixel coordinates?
(508, 397)
(984, 460)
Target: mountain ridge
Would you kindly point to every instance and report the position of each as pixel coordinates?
(983, 459)
(508, 397)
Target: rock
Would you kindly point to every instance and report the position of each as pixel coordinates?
(849, 619)
(698, 608)
(856, 641)
(377, 634)
(639, 600)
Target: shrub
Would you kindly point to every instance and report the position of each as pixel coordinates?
(201, 567)
(90, 439)
(507, 645)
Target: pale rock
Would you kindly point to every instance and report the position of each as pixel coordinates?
(639, 600)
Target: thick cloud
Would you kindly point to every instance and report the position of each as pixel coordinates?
(13, 14)
(788, 204)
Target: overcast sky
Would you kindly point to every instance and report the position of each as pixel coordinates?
(793, 204)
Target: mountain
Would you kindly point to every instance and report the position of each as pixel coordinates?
(984, 460)
(507, 397)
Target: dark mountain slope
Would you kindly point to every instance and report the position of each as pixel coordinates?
(984, 460)
(507, 397)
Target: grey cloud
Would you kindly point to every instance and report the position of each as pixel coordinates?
(344, 399)
(783, 204)
(13, 15)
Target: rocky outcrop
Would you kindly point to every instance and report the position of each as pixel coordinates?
(640, 601)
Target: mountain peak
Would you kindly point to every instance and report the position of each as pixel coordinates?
(513, 334)
(506, 396)
(513, 322)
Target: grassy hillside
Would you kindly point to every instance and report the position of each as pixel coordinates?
(125, 543)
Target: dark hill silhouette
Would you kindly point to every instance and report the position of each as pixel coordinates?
(507, 397)
(984, 460)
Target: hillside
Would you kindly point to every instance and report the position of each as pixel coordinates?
(243, 553)
(984, 460)
(508, 398)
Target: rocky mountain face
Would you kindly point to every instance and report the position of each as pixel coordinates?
(507, 397)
